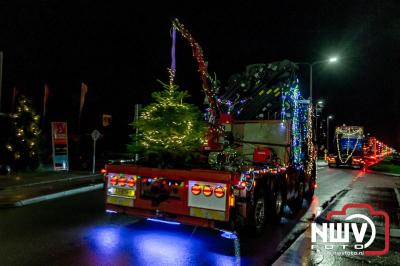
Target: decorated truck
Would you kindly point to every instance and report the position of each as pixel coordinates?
(350, 150)
(257, 157)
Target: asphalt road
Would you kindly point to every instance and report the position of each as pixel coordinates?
(76, 230)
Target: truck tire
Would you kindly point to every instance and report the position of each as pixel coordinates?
(276, 202)
(258, 218)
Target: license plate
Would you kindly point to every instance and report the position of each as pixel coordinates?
(124, 192)
(128, 202)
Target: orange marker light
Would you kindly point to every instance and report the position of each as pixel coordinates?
(219, 192)
(196, 189)
(122, 181)
(114, 180)
(131, 182)
(207, 190)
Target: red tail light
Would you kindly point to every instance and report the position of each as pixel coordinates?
(114, 180)
(131, 182)
(103, 171)
(196, 189)
(122, 181)
(207, 190)
(219, 192)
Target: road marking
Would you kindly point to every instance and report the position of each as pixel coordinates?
(96, 176)
(236, 243)
(396, 190)
(57, 195)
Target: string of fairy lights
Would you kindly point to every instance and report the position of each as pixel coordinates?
(251, 95)
(24, 144)
(170, 123)
(311, 151)
(296, 130)
(202, 68)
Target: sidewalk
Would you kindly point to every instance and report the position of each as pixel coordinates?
(377, 190)
(30, 187)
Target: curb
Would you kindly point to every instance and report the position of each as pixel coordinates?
(95, 176)
(382, 173)
(54, 195)
(393, 232)
(294, 234)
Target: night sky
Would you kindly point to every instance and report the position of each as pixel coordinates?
(120, 51)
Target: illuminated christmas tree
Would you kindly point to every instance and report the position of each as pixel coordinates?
(24, 141)
(169, 127)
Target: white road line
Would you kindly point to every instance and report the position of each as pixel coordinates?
(54, 181)
(236, 243)
(396, 190)
(58, 195)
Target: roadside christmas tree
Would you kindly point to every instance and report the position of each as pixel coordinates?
(24, 141)
(170, 130)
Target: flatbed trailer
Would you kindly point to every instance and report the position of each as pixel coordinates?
(212, 198)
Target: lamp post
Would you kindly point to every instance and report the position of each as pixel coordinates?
(320, 103)
(327, 131)
(311, 65)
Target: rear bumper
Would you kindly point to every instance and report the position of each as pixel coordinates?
(144, 213)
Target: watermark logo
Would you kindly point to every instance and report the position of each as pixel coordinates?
(336, 236)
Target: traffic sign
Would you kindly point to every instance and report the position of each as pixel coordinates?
(95, 135)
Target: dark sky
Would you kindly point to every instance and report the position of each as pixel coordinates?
(120, 51)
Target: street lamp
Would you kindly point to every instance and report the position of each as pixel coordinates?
(332, 59)
(329, 60)
(327, 131)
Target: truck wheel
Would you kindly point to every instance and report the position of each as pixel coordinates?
(259, 214)
(311, 189)
(276, 202)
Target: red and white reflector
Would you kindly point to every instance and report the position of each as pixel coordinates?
(207, 190)
(219, 192)
(196, 189)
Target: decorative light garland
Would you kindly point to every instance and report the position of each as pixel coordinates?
(350, 132)
(202, 68)
(24, 145)
(311, 152)
(296, 131)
